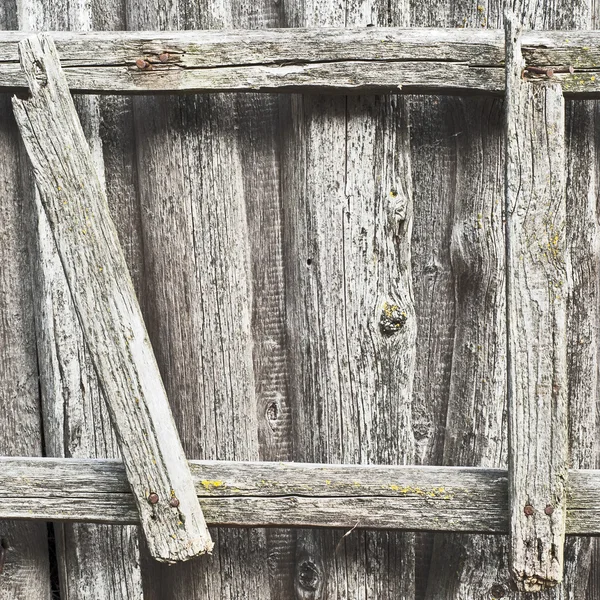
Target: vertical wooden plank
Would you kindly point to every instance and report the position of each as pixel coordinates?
(24, 545)
(538, 281)
(476, 423)
(259, 135)
(94, 561)
(433, 136)
(347, 195)
(193, 179)
(25, 573)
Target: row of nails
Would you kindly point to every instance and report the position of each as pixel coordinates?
(144, 64)
(550, 72)
(153, 499)
(529, 510)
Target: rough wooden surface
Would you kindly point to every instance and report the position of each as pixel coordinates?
(25, 573)
(347, 197)
(474, 566)
(348, 60)
(476, 422)
(94, 560)
(538, 284)
(291, 494)
(105, 301)
(195, 175)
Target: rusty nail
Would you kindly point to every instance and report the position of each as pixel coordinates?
(570, 69)
(550, 73)
(528, 510)
(153, 498)
(164, 57)
(141, 63)
(174, 502)
(538, 70)
(549, 509)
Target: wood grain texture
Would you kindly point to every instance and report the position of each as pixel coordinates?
(538, 284)
(94, 560)
(105, 301)
(468, 566)
(348, 60)
(347, 198)
(26, 573)
(195, 169)
(279, 494)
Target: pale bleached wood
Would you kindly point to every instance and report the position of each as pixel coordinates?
(94, 560)
(258, 128)
(476, 422)
(196, 178)
(537, 285)
(348, 60)
(103, 296)
(347, 196)
(244, 494)
(26, 573)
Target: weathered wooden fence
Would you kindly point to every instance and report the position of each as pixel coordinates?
(323, 280)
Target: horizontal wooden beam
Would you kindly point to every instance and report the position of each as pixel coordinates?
(369, 59)
(243, 494)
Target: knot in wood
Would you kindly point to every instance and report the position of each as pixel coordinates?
(498, 591)
(392, 318)
(308, 576)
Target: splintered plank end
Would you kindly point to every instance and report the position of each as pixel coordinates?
(108, 310)
(538, 285)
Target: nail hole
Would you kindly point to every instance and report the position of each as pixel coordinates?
(309, 261)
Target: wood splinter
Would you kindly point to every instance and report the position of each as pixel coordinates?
(108, 310)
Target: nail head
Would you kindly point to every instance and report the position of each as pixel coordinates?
(549, 509)
(164, 57)
(174, 502)
(528, 510)
(153, 498)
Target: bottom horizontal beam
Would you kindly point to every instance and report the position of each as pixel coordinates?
(262, 494)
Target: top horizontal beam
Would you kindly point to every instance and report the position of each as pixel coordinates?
(370, 59)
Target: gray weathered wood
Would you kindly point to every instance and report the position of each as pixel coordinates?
(196, 178)
(537, 285)
(94, 560)
(105, 301)
(328, 59)
(291, 495)
(347, 198)
(26, 573)
(476, 422)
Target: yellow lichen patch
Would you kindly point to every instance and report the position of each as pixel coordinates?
(212, 484)
(436, 492)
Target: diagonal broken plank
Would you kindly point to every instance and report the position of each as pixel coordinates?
(110, 316)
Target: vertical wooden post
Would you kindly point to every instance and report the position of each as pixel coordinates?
(537, 288)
